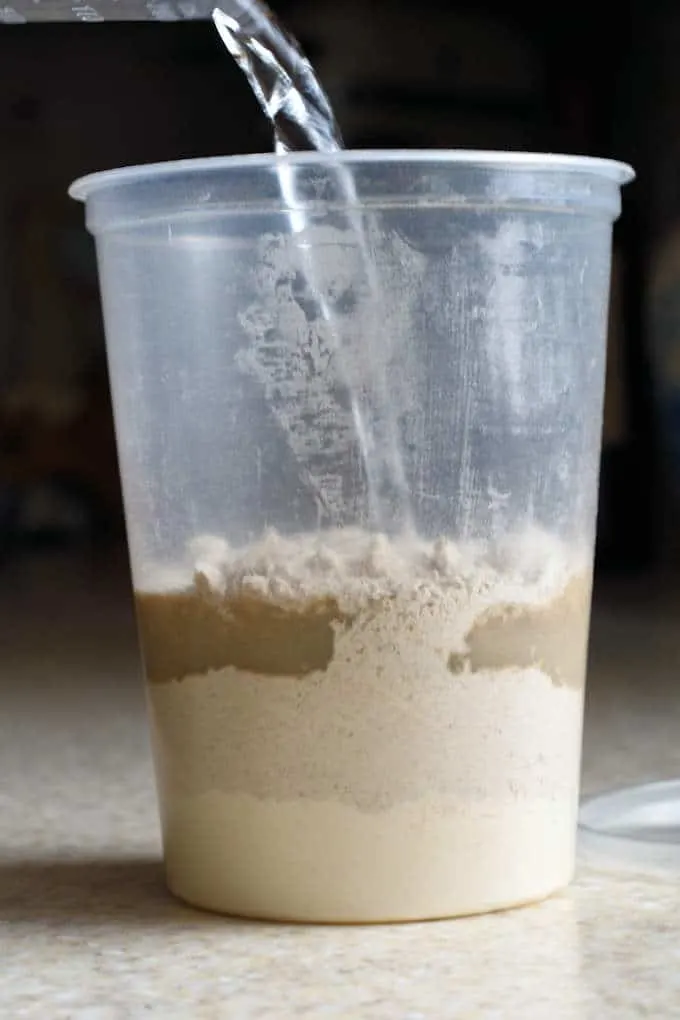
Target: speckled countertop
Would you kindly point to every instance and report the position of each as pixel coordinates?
(88, 931)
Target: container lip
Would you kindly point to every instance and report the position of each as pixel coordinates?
(536, 162)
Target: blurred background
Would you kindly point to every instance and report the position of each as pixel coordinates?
(79, 98)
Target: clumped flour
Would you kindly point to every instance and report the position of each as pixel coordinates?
(348, 728)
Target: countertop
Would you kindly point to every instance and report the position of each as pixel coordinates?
(88, 931)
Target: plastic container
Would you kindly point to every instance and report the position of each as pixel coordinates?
(359, 401)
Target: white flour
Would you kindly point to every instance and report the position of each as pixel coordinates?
(415, 755)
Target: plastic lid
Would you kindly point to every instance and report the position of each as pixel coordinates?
(637, 829)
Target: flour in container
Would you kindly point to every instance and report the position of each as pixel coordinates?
(353, 728)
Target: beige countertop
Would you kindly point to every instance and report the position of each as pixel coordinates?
(88, 931)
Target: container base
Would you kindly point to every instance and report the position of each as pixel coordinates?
(328, 863)
(271, 918)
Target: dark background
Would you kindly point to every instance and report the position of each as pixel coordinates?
(78, 98)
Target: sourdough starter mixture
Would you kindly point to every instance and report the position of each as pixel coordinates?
(348, 728)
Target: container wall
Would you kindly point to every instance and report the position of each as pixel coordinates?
(426, 350)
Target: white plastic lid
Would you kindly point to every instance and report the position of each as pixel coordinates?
(635, 829)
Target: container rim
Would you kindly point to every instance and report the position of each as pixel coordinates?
(609, 169)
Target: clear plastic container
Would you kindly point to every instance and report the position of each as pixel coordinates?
(358, 400)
